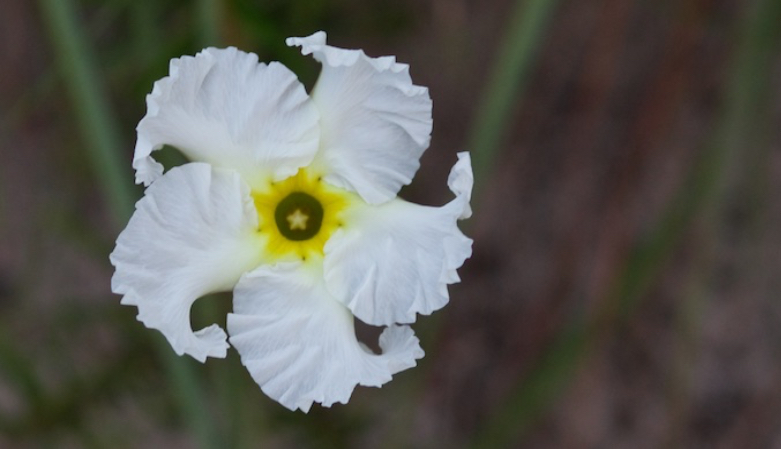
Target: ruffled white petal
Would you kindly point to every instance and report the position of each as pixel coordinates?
(193, 233)
(375, 124)
(460, 182)
(224, 108)
(299, 343)
(392, 261)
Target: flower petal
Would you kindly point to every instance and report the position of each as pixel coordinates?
(392, 261)
(299, 343)
(460, 182)
(375, 124)
(192, 233)
(222, 107)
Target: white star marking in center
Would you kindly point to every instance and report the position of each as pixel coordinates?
(297, 220)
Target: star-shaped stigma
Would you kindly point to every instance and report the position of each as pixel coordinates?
(297, 220)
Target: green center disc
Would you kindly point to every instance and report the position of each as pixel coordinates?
(299, 216)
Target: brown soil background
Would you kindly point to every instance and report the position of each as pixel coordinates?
(624, 99)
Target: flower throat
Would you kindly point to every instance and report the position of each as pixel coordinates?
(298, 215)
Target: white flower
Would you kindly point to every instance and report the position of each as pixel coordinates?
(290, 202)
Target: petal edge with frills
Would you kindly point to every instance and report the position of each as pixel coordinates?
(223, 107)
(396, 260)
(375, 124)
(299, 343)
(193, 233)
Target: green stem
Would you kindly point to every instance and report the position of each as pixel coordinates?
(187, 390)
(745, 92)
(94, 116)
(209, 17)
(735, 134)
(508, 81)
(80, 73)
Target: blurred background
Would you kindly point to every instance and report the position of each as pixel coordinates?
(624, 287)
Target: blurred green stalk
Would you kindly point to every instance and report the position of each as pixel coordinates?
(227, 376)
(745, 93)
(503, 93)
(734, 135)
(209, 17)
(144, 30)
(93, 113)
(98, 124)
(509, 78)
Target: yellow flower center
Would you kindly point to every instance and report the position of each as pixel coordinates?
(298, 215)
